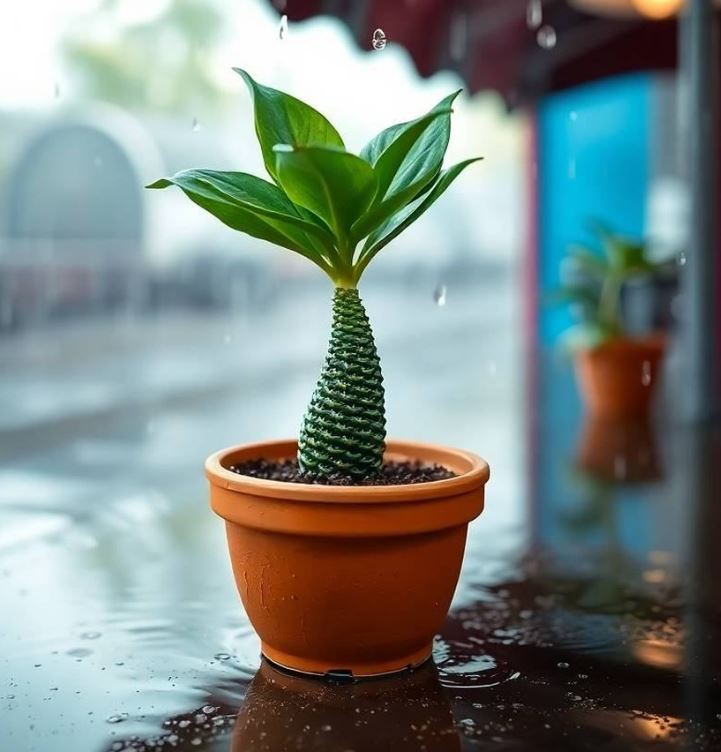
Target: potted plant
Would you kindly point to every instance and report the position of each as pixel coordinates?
(616, 370)
(346, 549)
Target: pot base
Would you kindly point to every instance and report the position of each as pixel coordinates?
(370, 670)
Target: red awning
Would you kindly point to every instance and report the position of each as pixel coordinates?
(492, 46)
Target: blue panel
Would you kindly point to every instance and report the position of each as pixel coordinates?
(594, 163)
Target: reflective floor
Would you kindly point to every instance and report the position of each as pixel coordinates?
(588, 612)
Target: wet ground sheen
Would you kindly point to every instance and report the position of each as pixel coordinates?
(587, 616)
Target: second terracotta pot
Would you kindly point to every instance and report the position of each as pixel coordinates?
(355, 579)
(617, 379)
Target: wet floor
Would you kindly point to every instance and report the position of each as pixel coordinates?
(587, 616)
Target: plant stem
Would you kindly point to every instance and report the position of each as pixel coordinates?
(609, 314)
(343, 432)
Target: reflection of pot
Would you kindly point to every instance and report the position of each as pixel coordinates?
(408, 712)
(618, 451)
(347, 578)
(617, 378)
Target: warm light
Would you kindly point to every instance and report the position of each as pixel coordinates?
(658, 8)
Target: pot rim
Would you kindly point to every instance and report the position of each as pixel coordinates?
(475, 474)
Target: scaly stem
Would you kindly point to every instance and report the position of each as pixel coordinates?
(343, 432)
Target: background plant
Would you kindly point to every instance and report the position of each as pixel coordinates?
(599, 280)
(338, 210)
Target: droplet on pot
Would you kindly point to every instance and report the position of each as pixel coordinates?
(283, 27)
(682, 259)
(117, 718)
(646, 373)
(439, 295)
(379, 39)
(546, 37)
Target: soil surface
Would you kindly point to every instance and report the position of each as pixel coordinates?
(390, 474)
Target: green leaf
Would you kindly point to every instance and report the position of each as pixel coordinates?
(589, 335)
(333, 184)
(588, 262)
(573, 294)
(395, 226)
(406, 157)
(253, 206)
(283, 119)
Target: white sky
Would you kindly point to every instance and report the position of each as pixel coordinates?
(360, 92)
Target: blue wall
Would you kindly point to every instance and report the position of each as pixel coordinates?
(593, 163)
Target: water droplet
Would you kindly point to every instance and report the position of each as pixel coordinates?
(439, 295)
(619, 466)
(222, 656)
(173, 738)
(534, 14)
(90, 635)
(562, 664)
(546, 37)
(209, 709)
(682, 259)
(195, 126)
(459, 36)
(184, 723)
(80, 652)
(196, 742)
(646, 373)
(283, 27)
(379, 39)
(117, 718)
(326, 727)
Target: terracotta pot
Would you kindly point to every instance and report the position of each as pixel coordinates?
(617, 379)
(338, 578)
(401, 713)
(619, 451)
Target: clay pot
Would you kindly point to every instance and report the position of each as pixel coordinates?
(617, 379)
(352, 579)
(618, 451)
(401, 713)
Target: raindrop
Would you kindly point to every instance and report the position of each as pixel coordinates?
(209, 709)
(619, 466)
(173, 738)
(117, 718)
(222, 656)
(439, 295)
(562, 664)
(646, 373)
(184, 723)
(90, 635)
(379, 39)
(459, 37)
(196, 742)
(534, 14)
(546, 37)
(195, 126)
(682, 259)
(283, 27)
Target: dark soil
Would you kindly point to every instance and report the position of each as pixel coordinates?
(390, 474)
